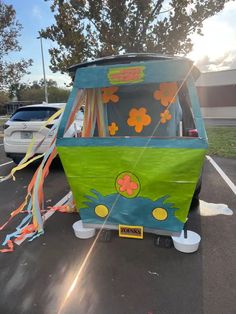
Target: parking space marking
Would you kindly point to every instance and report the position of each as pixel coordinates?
(222, 174)
(6, 163)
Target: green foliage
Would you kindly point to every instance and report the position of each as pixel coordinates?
(222, 141)
(86, 29)
(56, 94)
(35, 92)
(32, 94)
(15, 90)
(3, 98)
(40, 84)
(10, 72)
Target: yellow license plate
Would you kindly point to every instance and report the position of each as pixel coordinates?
(131, 231)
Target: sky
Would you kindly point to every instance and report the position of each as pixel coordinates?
(214, 51)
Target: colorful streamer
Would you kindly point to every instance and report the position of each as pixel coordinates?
(28, 158)
(32, 224)
(95, 111)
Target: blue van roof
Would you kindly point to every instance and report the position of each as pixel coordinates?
(125, 58)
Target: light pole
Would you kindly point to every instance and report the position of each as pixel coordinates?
(44, 75)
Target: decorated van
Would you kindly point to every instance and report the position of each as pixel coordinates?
(138, 162)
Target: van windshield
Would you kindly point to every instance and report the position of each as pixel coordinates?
(33, 114)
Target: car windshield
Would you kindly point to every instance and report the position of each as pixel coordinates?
(33, 114)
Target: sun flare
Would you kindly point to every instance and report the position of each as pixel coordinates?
(217, 46)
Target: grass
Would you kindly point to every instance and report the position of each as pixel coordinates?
(222, 141)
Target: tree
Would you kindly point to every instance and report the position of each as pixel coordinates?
(50, 83)
(39, 84)
(35, 92)
(10, 72)
(3, 98)
(57, 94)
(87, 29)
(16, 89)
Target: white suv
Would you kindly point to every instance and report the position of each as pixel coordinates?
(27, 122)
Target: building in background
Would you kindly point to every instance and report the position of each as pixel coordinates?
(217, 93)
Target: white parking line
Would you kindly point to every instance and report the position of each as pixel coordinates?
(222, 174)
(63, 201)
(1, 144)
(6, 163)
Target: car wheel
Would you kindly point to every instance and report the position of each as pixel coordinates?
(163, 241)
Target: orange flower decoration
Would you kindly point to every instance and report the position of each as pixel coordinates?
(165, 116)
(138, 118)
(108, 94)
(167, 93)
(113, 128)
(127, 185)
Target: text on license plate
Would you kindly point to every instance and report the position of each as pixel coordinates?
(131, 231)
(26, 135)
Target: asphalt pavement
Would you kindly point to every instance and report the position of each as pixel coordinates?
(55, 274)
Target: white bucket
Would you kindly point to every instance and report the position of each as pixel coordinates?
(189, 244)
(81, 232)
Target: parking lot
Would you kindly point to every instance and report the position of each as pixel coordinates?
(55, 273)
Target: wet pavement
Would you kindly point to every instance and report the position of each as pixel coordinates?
(58, 273)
